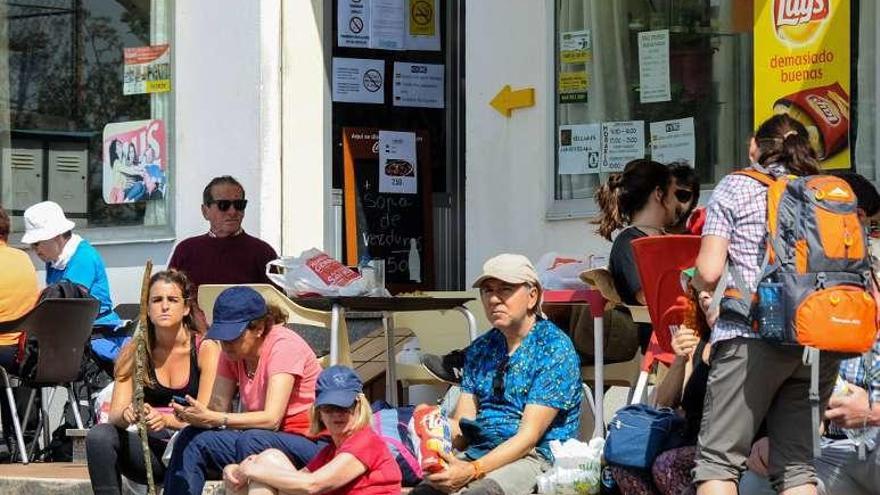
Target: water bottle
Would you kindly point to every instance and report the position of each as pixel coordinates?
(771, 312)
(607, 484)
(367, 273)
(860, 436)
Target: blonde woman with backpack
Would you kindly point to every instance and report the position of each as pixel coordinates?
(753, 380)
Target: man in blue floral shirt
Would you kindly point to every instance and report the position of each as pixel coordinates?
(521, 388)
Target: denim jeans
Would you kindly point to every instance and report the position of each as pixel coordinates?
(199, 453)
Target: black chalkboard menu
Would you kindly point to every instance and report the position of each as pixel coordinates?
(395, 227)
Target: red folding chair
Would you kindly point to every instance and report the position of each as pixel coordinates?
(660, 260)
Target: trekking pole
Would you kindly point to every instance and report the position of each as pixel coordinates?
(140, 377)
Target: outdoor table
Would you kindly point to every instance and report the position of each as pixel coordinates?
(593, 298)
(337, 306)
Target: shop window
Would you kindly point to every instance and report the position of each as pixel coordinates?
(704, 107)
(69, 130)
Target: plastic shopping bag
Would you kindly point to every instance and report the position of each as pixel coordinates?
(102, 404)
(576, 469)
(314, 272)
(562, 272)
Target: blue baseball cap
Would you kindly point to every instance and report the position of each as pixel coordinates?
(337, 386)
(234, 308)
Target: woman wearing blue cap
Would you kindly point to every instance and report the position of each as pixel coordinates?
(274, 372)
(357, 462)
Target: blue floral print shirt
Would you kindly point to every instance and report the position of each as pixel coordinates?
(544, 370)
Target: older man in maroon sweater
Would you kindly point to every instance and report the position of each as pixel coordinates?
(226, 254)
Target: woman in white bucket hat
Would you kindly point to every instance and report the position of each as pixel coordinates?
(69, 256)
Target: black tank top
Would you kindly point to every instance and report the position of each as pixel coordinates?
(160, 396)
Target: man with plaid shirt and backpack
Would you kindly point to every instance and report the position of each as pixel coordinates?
(752, 379)
(849, 463)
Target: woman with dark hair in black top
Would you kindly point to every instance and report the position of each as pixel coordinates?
(180, 364)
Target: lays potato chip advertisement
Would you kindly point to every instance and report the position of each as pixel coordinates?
(802, 68)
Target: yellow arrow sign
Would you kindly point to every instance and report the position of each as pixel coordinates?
(506, 99)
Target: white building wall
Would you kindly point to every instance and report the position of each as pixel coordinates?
(226, 91)
(509, 161)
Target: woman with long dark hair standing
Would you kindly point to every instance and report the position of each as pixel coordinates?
(752, 380)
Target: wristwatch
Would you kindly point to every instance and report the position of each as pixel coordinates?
(225, 422)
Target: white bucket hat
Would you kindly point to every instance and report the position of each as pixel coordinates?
(44, 221)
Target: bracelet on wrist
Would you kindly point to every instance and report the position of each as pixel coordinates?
(225, 422)
(479, 472)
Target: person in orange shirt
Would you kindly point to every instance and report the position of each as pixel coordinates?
(18, 294)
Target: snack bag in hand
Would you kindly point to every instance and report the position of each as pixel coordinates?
(432, 428)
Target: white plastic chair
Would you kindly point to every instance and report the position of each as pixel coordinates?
(296, 314)
(439, 332)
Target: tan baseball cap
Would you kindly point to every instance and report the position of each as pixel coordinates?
(510, 268)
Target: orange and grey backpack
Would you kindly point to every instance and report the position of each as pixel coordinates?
(815, 288)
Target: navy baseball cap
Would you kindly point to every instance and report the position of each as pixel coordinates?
(337, 386)
(234, 308)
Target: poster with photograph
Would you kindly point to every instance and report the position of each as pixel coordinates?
(397, 162)
(147, 70)
(135, 161)
(803, 68)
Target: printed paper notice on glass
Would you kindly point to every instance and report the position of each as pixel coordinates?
(573, 86)
(387, 24)
(353, 23)
(673, 141)
(622, 142)
(358, 80)
(422, 25)
(147, 69)
(397, 162)
(418, 85)
(654, 66)
(580, 149)
(575, 47)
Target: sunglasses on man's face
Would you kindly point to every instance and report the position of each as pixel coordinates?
(498, 379)
(683, 195)
(225, 204)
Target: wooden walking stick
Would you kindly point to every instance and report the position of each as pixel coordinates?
(140, 376)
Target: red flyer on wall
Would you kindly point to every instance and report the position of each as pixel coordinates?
(135, 161)
(147, 70)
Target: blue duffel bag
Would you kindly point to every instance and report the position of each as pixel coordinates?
(638, 433)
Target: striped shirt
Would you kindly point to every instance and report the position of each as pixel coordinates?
(737, 211)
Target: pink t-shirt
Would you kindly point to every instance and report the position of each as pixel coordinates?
(283, 351)
(382, 476)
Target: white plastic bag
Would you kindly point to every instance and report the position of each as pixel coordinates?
(576, 469)
(556, 271)
(102, 404)
(314, 272)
